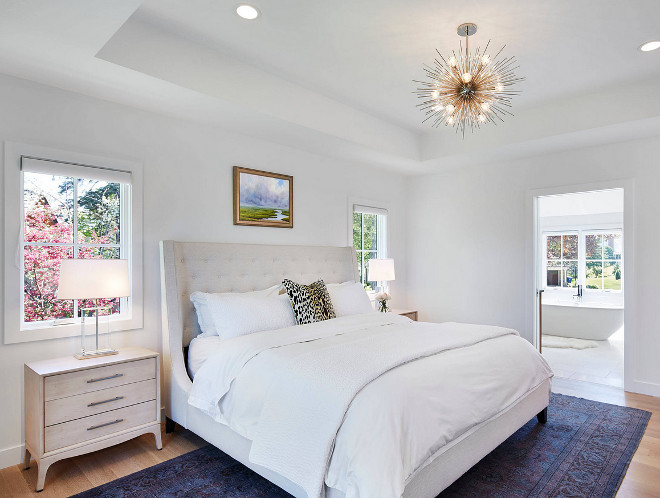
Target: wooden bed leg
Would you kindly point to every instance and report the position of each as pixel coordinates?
(543, 416)
(169, 425)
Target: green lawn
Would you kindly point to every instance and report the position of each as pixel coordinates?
(251, 213)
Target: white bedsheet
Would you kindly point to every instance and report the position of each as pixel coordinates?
(200, 349)
(393, 426)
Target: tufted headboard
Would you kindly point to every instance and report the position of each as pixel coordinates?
(187, 267)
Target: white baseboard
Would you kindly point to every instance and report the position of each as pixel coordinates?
(11, 456)
(642, 387)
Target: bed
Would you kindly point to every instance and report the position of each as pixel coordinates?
(217, 267)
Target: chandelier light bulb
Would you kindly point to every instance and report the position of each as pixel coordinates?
(467, 77)
(437, 107)
(450, 120)
(435, 94)
(452, 61)
(499, 87)
(485, 106)
(485, 60)
(450, 108)
(482, 118)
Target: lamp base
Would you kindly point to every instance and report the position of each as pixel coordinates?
(85, 355)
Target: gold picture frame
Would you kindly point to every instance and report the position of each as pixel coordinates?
(262, 198)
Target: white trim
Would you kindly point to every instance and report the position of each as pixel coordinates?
(13, 242)
(631, 383)
(61, 168)
(12, 455)
(358, 208)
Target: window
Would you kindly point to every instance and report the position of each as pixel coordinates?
(369, 238)
(58, 206)
(603, 261)
(68, 213)
(562, 260)
(587, 257)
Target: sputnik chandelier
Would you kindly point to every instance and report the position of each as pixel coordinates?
(468, 90)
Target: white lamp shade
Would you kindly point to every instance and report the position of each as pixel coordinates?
(381, 270)
(93, 279)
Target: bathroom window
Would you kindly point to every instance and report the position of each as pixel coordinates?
(603, 261)
(562, 260)
(591, 258)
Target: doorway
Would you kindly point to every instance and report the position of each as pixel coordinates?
(580, 279)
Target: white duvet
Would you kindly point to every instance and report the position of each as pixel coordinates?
(362, 402)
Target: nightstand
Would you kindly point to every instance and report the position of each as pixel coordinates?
(76, 406)
(412, 314)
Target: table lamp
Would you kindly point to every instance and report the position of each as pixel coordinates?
(93, 279)
(381, 270)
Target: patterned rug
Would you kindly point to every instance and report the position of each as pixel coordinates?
(583, 450)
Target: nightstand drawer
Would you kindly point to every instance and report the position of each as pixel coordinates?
(77, 431)
(95, 379)
(83, 405)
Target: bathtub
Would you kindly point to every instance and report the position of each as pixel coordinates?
(592, 320)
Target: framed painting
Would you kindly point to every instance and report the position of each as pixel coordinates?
(262, 199)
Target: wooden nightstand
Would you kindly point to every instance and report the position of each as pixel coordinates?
(78, 406)
(412, 314)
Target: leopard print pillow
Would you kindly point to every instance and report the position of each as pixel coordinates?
(311, 303)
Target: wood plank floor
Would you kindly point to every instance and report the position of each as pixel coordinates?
(77, 474)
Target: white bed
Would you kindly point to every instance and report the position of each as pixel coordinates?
(206, 267)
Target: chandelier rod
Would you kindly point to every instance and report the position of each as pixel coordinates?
(467, 37)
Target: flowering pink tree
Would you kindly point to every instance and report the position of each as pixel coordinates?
(42, 262)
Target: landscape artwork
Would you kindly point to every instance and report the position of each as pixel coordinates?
(262, 198)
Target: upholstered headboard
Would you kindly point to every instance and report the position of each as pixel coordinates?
(187, 267)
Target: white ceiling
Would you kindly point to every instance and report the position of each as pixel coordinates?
(336, 77)
(367, 53)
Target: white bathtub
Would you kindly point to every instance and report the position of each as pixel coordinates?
(593, 320)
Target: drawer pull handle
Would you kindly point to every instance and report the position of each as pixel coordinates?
(116, 398)
(105, 378)
(104, 425)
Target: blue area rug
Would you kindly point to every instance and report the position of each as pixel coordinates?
(583, 450)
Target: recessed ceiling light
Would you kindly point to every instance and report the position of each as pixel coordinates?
(247, 11)
(652, 45)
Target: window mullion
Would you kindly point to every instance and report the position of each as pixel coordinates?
(75, 235)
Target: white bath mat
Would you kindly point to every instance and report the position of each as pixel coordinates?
(553, 341)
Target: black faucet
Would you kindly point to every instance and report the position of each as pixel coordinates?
(579, 291)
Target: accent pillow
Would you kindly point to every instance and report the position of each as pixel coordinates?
(199, 300)
(349, 298)
(311, 303)
(240, 314)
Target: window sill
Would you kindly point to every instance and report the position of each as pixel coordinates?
(43, 331)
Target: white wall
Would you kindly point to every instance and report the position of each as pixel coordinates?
(187, 196)
(468, 248)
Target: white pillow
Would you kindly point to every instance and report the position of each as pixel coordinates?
(240, 314)
(199, 300)
(349, 298)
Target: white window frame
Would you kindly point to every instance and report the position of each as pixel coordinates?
(582, 232)
(15, 330)
(602, 231)
(383, 228)
(560, 233)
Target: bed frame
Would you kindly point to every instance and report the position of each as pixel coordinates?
(187, 267)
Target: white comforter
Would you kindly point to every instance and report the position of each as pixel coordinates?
(363, 402)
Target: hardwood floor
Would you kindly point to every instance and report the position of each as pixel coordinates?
(74, 475)
(71, 476)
